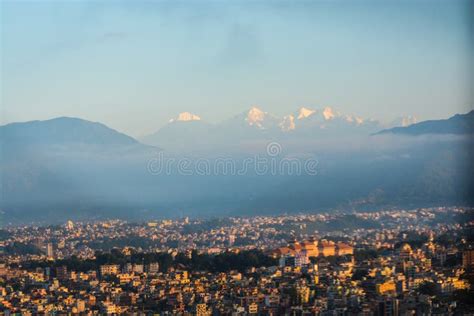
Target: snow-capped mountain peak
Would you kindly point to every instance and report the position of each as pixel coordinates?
(185, 117)
(287, 123)
(305, 112)
(255, 117)
(329, 113)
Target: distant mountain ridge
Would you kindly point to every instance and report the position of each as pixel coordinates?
(57, 165)
(63, 130)
(458, 124)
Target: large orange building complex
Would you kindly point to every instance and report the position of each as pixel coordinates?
(315, 248)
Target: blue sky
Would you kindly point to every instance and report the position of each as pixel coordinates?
(134, 65)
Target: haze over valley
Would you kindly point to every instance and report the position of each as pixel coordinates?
(73, 168)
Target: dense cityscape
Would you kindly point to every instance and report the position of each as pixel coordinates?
(234, 158)
(398, 262)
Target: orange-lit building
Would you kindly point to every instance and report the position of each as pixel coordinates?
(386, 287)
(344, 249)
(405, 251)
(283, 251)
(314, 248)
(327, 248)
(311, 247)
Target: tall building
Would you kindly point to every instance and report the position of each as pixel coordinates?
(61, 273)
(388, 306)
(231, 240)
(468, 258)
(50, 251)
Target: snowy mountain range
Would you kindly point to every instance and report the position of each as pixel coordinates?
(189, 129)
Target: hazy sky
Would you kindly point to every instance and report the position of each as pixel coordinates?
(135, 65)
